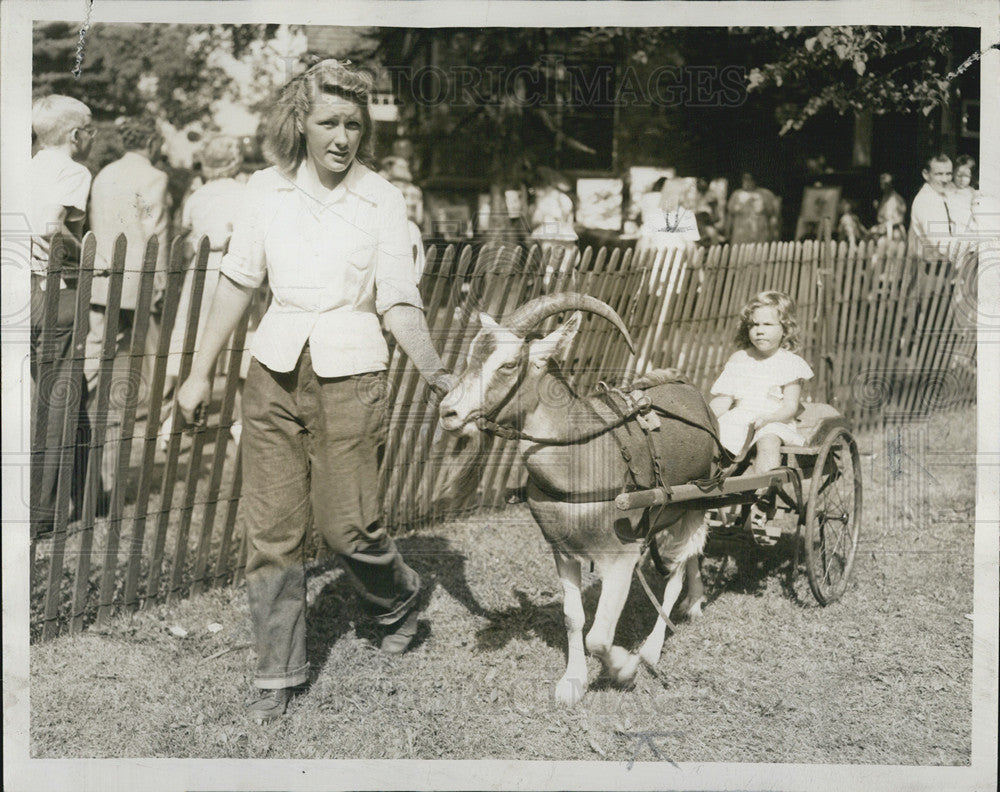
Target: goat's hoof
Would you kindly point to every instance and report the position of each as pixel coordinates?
(569, 691)
(650, 655)
(625, 671)
(694, 612)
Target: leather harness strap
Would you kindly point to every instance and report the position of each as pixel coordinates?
(654, 458)
(511, 433)
(649, 591)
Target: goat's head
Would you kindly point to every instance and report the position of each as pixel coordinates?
(505, 365)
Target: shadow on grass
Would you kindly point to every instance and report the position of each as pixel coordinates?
(742, 571)
(439, 564)
(529, 618)
(746, 569)
(334, 612)
(337, 611)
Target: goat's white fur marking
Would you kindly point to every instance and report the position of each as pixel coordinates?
(570, 689)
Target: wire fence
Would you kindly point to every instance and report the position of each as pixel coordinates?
(887, 334)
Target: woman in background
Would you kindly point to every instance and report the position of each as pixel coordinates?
(210, 211)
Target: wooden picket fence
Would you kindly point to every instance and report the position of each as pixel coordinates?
(886, 335)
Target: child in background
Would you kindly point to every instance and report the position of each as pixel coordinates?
(961, 199)
(761, 386)
(209, 211)
(849, 227)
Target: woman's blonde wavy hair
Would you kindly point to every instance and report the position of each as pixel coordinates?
(283, 139)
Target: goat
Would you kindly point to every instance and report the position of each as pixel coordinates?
(572, 447)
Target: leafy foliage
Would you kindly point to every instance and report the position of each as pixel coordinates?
(876, 69)
(128, 69)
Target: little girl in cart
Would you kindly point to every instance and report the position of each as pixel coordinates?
(759, 391)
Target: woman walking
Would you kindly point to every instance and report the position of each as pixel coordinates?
(331, 236)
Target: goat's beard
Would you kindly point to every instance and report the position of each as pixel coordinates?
(463, 464)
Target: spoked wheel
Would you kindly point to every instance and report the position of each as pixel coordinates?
(833, 517)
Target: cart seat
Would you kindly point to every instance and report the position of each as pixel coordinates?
(814, 422)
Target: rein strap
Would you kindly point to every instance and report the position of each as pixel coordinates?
(512, 433)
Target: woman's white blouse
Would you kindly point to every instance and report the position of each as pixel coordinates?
(333, 265)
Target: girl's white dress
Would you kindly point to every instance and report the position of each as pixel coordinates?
(756, 389)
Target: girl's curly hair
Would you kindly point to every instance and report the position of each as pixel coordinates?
(785, 307)
(283, 139)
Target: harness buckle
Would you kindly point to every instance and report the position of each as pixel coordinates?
(649, 421)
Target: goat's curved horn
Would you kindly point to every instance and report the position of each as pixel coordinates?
(532, 313)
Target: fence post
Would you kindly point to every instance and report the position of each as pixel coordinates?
(175, 281)
(824, 284)
(176, 278)
(125, 437)
(94, 486)
(64, 389)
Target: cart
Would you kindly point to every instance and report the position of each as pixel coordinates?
(817, 496)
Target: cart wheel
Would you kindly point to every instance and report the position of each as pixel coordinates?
(833, 516)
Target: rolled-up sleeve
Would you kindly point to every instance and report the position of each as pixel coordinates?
(75, 182)
(395, 277)
(245, 263)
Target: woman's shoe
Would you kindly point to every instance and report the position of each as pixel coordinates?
(271, 704)
(401, 634)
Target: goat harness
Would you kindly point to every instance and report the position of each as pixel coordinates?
(627, 408)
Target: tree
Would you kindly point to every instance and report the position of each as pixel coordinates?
(177, 72)
(127, 69)
(504, 90)
(851, 68)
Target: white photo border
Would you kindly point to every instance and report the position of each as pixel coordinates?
(23, 773)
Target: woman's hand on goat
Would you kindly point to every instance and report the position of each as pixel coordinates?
(441, 382)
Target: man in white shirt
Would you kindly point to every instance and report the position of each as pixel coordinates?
(129, 197)
(932, 228)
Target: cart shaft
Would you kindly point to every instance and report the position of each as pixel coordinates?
(735, 485)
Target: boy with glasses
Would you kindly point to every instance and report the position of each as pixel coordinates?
(60, 187)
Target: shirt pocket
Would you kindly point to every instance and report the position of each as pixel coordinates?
(358, 267)
(361, 257)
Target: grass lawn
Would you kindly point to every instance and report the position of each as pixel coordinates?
(882, 677)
